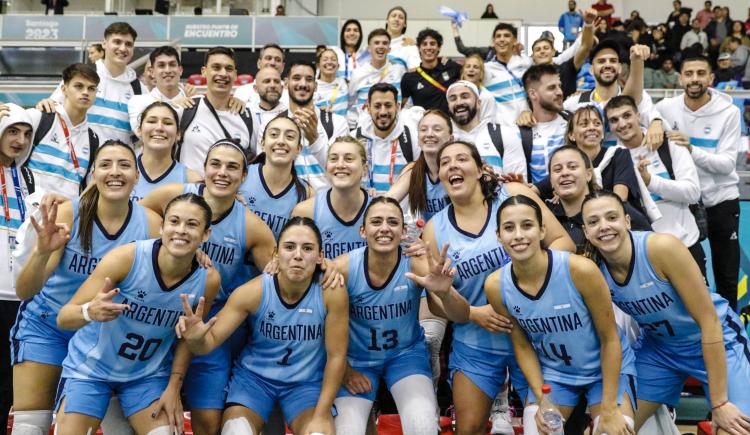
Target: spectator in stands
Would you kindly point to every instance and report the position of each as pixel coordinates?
(665, 77)
(705, 15)
(486, 53)
(738, 31)
(635, 22)
(694, 36)
(678, 30)
(402, 50)
(659, 49)
(718, 29)
(740, 55)
(378, 70)
(56, 6)
(618, 34)
(724, 72)
(280, 11)
(677, 10)
(747, 22)
(427, 85)
(570, 23)
(602, 30)
(95, 52)
(270, 55)
(489, 12)
(604, 10)
(350, 51)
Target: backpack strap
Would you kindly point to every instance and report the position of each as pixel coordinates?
(666, 157)
(93, 147)
(136, 86)
(404, 141)
(585, 97)
(28, 178)
(565, 115)
(187, 118)
(496, 136)
(45, 124)
(326, 119)
(527, 143)
(247, 119)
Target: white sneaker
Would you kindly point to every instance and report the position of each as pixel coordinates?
(501, 419)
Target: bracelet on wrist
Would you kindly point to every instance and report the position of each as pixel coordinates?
(85, 311)
(714, 408)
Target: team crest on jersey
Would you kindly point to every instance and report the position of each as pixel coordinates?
(401, 288)
(358, 300)
(250, 200)
(230, 239)
(140, 295)
(446, 76)
(45, 315)
(305, 310)
(455, 255)
(327, 235)
(270, 316)
(516, 309)
(707, 129)
(420, 86)
(195, 129)
(54, 138)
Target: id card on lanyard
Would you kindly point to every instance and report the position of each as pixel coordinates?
(18, 192)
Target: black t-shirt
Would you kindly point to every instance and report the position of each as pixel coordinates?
(425, 94)
(568, 77)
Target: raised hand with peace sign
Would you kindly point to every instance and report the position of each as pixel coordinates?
(191, 326)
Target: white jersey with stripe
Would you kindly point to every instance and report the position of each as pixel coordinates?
(364, 78)
(547, 137)
(512, 161)
(51, 161)
(311, 161)
(108, 117)
(714, 132)
(507, 89)
(348, 63)
(333, 96)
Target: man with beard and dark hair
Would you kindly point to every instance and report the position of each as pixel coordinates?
(706, 123)
(606, 68)
(545, 96)
(319, 128)
(499, 147)
(390, 137)
(269, 87)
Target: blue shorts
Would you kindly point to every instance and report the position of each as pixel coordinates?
(206, 381)
(91, 397)
(261, 395)
(411, 361)
(662, 372)
(568, 395)
(34, 338)
(487, 371)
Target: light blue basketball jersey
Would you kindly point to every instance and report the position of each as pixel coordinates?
(76, 265)
(558, 324)
(654, 303)
(226, 246)
(288, 341)
(177, 173)
(383, 321)
(474, 256)
(138, 343)
(339, 237)
(274, 210)
(437, 198)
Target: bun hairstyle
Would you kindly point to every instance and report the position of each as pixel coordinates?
(299, 185)
(192, 198)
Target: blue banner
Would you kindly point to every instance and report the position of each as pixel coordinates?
(42, 28)
(212, 31)
(296, 31)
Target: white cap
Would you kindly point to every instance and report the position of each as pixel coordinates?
(466, 83)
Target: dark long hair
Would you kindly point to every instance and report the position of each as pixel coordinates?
(176, 118)
(489, 183)
(589, 250)
(588, 109)
(342, 43)
(89, 199)
(299, 185)
(591, 184)
(302, 221)
(520, 200)
(192, 198)
(417, 184)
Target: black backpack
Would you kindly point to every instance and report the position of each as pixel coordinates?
(136, 86)
(404, 142)
(189, 114)
(45, 124)
(698, 209)
(527, 142)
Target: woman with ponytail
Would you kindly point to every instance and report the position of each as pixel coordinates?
(158, 130)
(236, 233)
(71, 239)
(272, 188)
(482, 352)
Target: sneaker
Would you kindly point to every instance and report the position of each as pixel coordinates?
(501, 418)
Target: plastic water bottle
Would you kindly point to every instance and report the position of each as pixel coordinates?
(551, 415)
(413, 230)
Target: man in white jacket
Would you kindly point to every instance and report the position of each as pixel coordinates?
(669, 174)
(390, 137)
(707, 125)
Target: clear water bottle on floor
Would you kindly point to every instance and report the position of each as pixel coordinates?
(413, 231)
(551, 415)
